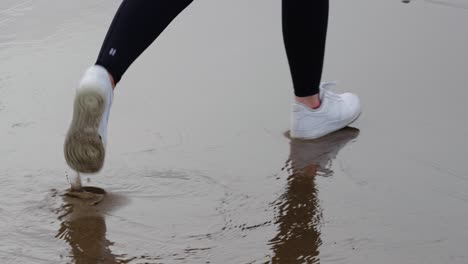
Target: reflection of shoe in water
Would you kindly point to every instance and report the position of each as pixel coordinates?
(335, 112)
(86, 138)
(320, 152)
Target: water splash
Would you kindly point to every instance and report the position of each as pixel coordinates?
(76, 183)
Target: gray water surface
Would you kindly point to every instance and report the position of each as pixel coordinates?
(199, 167)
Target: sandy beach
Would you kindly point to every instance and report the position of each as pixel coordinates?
(199, 165)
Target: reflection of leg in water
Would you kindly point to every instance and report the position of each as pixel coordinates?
(83, 227)
(298, 216)
(298, 210)
(87, 239)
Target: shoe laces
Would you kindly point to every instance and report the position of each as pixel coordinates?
(327, 85)
(325, 88)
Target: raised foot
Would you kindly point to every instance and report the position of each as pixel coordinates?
(83, 149)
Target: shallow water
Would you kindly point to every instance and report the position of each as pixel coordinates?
(199, 167)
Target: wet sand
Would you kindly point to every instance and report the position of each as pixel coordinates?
(199, 166)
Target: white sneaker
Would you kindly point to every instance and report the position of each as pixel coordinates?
(335, 112)
(87, 136)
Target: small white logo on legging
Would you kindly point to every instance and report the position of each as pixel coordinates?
(112, 52)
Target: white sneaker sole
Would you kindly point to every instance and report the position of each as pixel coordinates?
(302, 135)
(84, 150)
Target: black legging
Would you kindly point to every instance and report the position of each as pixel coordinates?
(139, 22)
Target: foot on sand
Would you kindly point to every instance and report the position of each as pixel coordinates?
(335, 112)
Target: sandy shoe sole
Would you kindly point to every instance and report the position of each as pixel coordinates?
(84, 150)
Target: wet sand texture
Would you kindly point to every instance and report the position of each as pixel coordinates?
(198, 169)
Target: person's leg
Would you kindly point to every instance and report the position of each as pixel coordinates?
(135, 26)
(304, 31)
(316, 111)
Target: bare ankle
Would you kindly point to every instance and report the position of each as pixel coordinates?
(112, 80)
(312, 101)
